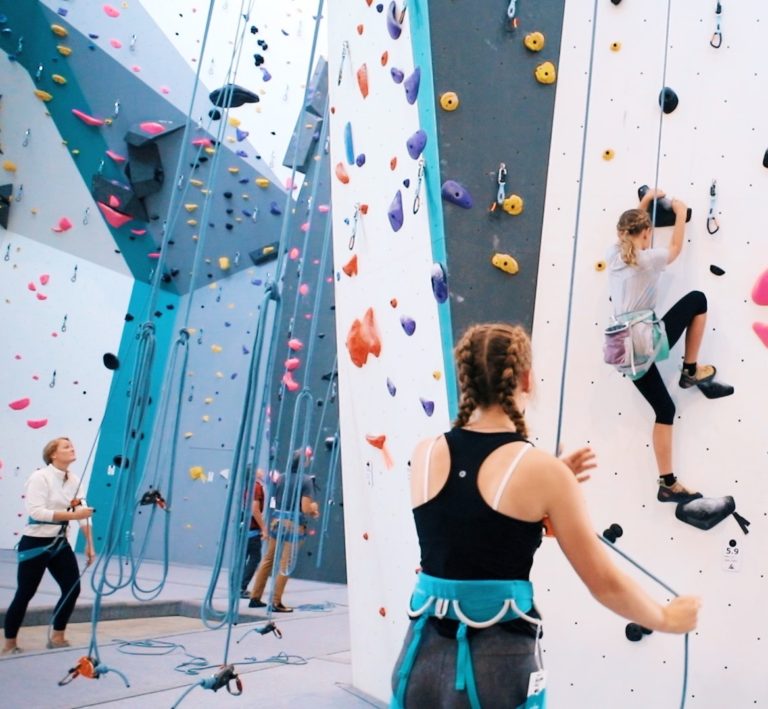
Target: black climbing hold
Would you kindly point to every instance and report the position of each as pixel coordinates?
(118, 462)
(258, 60)
(613, 533)
(227, 195)
(633, 632)
(232, 95)
(668, 100)
(615, 2)
(765, 159)
(128, 317)
(110, 361)
(706, 512)
(716, 270)
(664, 214)
(214, 114)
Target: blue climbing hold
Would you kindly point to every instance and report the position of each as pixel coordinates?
(412, 86)
(391, 388)
(274, 209)
(395, 212)
(428, 406)
(360, 160)
(397, 75)
(439, 283)
(409, 325)
(456, 194)
(415, 144)
(349, 147)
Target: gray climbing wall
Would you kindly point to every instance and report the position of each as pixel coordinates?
(504, 115)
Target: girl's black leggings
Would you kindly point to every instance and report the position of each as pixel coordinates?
(651, 385)
(60, 560)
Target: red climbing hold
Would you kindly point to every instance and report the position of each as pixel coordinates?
(290, 383)
(341, 173)
(292, 363)
(363, 339)
(350, 267)
(380, 442)
(63, 225)
(362, 79)
(113, 217)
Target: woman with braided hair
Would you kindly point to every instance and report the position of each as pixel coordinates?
(480, 494)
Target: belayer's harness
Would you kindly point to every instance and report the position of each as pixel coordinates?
(54, 547)
(474, 604)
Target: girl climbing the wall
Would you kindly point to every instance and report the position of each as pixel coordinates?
(634, 268)
(480, 494)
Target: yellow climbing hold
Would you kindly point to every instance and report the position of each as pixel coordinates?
(75, 151)
(233, 170)
(210, 150)
(534, 41)
(224, 263)
(195, 182)
(205, 191)
(608, 154)
(64, 50)
(262, 182)
(9, 166)
(600, 266)
(437, 375)
(43, 95)
(449, 101)
(216, 349)
(59, 31)
(505, 262)
(219, 375)
(190, 207)
(196, 472)
(205, 419)
(234, 122)
(188, 435)
(545, 73)
(192, 222)
(208, 400)
(513, 205)
(59, 79)
(615, 46)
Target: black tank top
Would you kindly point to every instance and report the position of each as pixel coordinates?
(461, 536)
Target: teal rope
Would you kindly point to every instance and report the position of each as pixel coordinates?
(329, 497)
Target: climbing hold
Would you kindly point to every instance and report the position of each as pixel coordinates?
(114, 218)
(292, 363)
(348, 144)
(545, 73)
(9, 166)
(428, 406)
(363, 339)
(152, 127)
(765, 159)
(613, 533)
(111, 11)
(449, 101)
(760, 289)
(19, 404)
(635, 632)
(457, 194)
(88, 120)
(382, 610)
(395, 212)
(437, 375)
(232, 96)
(716, 270)
(37, 423)
(64, 50)
(380, 442)
(290, 383)
(411, 85)
(197, 472)
(303, 289)
(665, 216)
(190, 207)
(705, 512)
(63, 225)
(408, 324)
(360, 29)
(600, 266)
(341, 173)
(513, 205)
(362, 79)
(110, 361)
(615, 46)
(233, 170)
(668, 100)
(360, 160)
(391, 388)
(216, 349)
(115, 156)
(397, 75)
(224, 263)
(43, 95)
(439, 283)
(116, 43)
(608, 154)
(393, 26)
(350, 267)
(761, 330)
(505, 262)
(274, 208)
(295, 344)
(262, 182)
(534, 41)
(415, 144)
(59, 31)
(384, 58)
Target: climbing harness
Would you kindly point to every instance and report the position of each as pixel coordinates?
(419, 180)
(717, 35)
(713, 225)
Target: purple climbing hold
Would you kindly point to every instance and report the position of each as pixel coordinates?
(265, 75)
(409, 325)
(397, 75)
(456, 194)
(241, 153)
(416, 143)
(395, 212)
(428, 406)
(439, 283)
(274, 209)
(379, 8)
(241, 135)
(360, 160)
(391, 388)
(393, 26)
(411, 85)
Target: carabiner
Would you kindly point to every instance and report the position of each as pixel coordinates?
(717, 35)
(354, 227)
(419, 180)
(713, 225)
(501, 180)
(344, 56)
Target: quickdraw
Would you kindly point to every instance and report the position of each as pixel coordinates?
(419, 180)
(713, 225)
(153, 497)
(717, 35)
(345, 54)
(512, 15)
(269, 627)
(501, 190)
(223, 679)
(355, 219)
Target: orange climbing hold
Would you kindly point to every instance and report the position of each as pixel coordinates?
(384, 58)
(393, 163)
(341, 173)
(362, 79)
(380, 442)
(363, 339)
(350, 267)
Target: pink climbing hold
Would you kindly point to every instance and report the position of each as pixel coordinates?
(290, 383)
(31, 286)
(760, 290)
(44, 278)
(152, 127)
(41, 296)
(292, 363)
(135, 68)
(111, 11)
(164, 90)
(114, 201)
(114, 218)
(115, 156)
(19, 404)
(305, 227)
(116, 43)
(202, 142)
(293, 254)
(63, 225)
(303, 289)
(37, 423)
(295, 344)
(323, 208)
(138, 232)
(761, 330)
(88, 120)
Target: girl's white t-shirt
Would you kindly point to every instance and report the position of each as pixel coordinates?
(635, 288)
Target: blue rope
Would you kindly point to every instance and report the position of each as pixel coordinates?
(329, 497)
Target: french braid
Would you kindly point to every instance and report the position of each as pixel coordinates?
(465, 358)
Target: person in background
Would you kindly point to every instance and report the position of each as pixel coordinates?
(480, 494)
(282, 517)
(50, 499)
(256, 533)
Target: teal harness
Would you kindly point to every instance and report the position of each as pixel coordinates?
(53, 547)
(474, 604)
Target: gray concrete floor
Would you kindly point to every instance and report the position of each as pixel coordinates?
(309, 667)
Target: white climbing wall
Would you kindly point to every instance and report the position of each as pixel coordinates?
(394, 280)
(716, 132)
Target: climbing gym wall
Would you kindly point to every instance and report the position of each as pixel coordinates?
(610, 138)
(603, 135)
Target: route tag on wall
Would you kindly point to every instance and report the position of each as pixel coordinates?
(732, 557)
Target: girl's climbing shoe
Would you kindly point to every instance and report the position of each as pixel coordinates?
(704, 373)
(677, 492)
